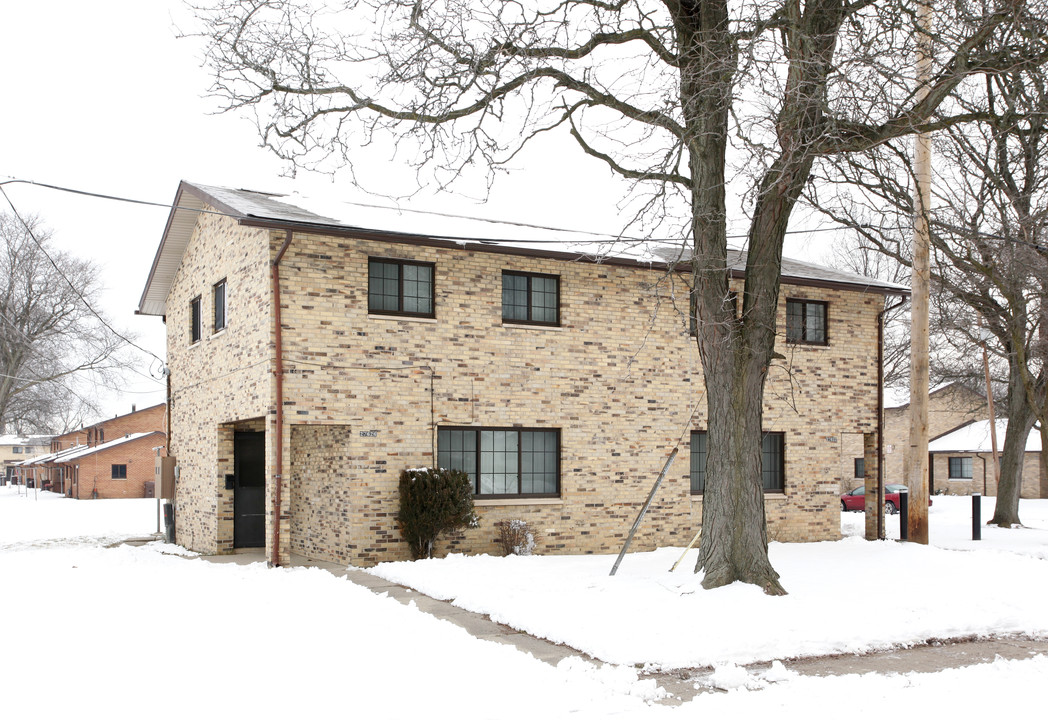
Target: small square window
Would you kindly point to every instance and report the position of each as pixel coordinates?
(806, 322)
(218, 294)
(399, 287)
(960, 468)
(194, 320)
(530, 298)
(119, 472)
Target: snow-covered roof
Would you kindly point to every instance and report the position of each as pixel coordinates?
(975, 438)
(25, 439)
(50, 457)
(325, 215)
(84, 451)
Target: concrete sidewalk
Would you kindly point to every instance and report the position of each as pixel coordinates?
(682, 685)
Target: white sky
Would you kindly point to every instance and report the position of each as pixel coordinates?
(103, 97)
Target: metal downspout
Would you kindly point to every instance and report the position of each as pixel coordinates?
(279, 419)
(880, 416)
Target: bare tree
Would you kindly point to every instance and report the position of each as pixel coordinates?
(852, 256)
(49, 337)
(990, 258)
(657, 90)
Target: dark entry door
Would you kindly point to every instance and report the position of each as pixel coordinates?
(249, 489)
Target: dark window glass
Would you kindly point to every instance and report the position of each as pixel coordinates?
(698, 462)
(398, 287)
(219, 297)
(530, 298)
(960, 468)
(806, 322)
(773, 463)
(194, 320)
(119, 472)
(503, 462)
(860, 468)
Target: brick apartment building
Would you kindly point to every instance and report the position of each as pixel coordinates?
(312, 360)
(114, 458)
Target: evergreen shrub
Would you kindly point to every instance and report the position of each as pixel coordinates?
(433, 501)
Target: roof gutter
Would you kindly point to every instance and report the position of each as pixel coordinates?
(278, 515)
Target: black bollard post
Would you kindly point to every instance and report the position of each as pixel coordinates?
(904, 514)
(976, 516)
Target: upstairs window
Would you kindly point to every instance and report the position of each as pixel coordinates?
(530, 298)
(399, 287)
(119, 472)
(806, 322)
(218, 293)
(693, 310)
(194, 320)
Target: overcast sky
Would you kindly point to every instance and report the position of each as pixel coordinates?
(102, 96)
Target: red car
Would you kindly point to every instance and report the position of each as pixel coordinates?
(856, 499)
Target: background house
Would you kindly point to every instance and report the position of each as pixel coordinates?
(962, 461)
(312, 360)
(113, 458)
(16, 448)
(949, 407)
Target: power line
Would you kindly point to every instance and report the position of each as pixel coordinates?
(601, 237)
(76, 291)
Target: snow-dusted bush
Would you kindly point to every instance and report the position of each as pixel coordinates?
(433, 501)
(515, 537)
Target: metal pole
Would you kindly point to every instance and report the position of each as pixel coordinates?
(640, 515)
(993, 422)
(904, 514)
(976, 516)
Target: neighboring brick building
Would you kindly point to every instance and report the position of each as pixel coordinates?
(949, 407)
(563, 380)
(120, 468)
(80, 462)
(962, 461)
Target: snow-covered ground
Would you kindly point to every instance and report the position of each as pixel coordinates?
(847, 596)
(137, 632)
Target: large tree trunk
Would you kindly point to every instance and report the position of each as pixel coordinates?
(1020, 422)
(736, 353)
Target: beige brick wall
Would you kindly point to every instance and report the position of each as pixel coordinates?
(220, 381)
(365, 394)
(983, 480)
(948, 409)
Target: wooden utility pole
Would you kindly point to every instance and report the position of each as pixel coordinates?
(917, 455)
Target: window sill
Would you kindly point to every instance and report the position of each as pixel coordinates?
(526, 326)
(776, 495)
(518, 501)
(218, 332)
(402, 318)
